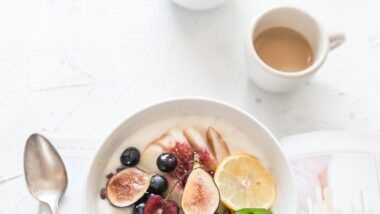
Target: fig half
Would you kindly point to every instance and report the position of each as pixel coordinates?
(201, 195)
(127, 186)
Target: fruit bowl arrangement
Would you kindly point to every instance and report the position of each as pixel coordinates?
(190, 175)
(166, 156)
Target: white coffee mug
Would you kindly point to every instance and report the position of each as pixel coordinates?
(321, 42)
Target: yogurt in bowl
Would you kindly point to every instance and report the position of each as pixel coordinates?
(240, 132)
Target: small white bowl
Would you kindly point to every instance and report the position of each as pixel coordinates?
(199, 4)
(262, 139)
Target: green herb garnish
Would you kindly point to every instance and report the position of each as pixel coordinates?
(253, 211)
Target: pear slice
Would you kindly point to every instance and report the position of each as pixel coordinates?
(217, 144)
(127, 186)
(200, 196)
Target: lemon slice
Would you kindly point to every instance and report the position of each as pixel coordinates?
(244, 182)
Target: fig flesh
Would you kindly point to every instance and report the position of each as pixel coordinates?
(201, 195)
(127, 186)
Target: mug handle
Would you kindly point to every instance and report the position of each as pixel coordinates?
(336, 39)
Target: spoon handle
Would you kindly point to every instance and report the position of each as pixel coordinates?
(54, 208)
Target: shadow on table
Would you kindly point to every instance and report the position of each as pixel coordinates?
(307, 108)
(204, 31)
(218, 20)
(211, 40)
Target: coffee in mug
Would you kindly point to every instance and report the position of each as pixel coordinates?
(284, 49)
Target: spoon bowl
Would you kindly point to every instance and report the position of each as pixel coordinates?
(45, 172)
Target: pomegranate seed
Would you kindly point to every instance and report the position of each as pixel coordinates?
(103, 193)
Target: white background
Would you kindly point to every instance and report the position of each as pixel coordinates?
(75, 69)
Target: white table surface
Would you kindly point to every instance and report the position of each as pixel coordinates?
(75, 69)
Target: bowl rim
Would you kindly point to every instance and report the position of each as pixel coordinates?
(153, 105)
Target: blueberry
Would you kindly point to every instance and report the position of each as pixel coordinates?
(166, 162)
(139, 208)
(130, 157)
(158, 185)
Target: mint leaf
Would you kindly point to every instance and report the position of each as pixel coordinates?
(253, 211)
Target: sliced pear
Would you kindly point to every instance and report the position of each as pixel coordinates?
(127, 186)
(195, 138)
(149, 157)
(217, 144)
(200, 196)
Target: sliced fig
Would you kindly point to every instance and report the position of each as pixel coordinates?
(127, 186)
(200, 196)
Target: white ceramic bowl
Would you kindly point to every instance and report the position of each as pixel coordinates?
(262, 139)
(199, 4)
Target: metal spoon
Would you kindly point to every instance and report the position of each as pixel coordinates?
(45, 172)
